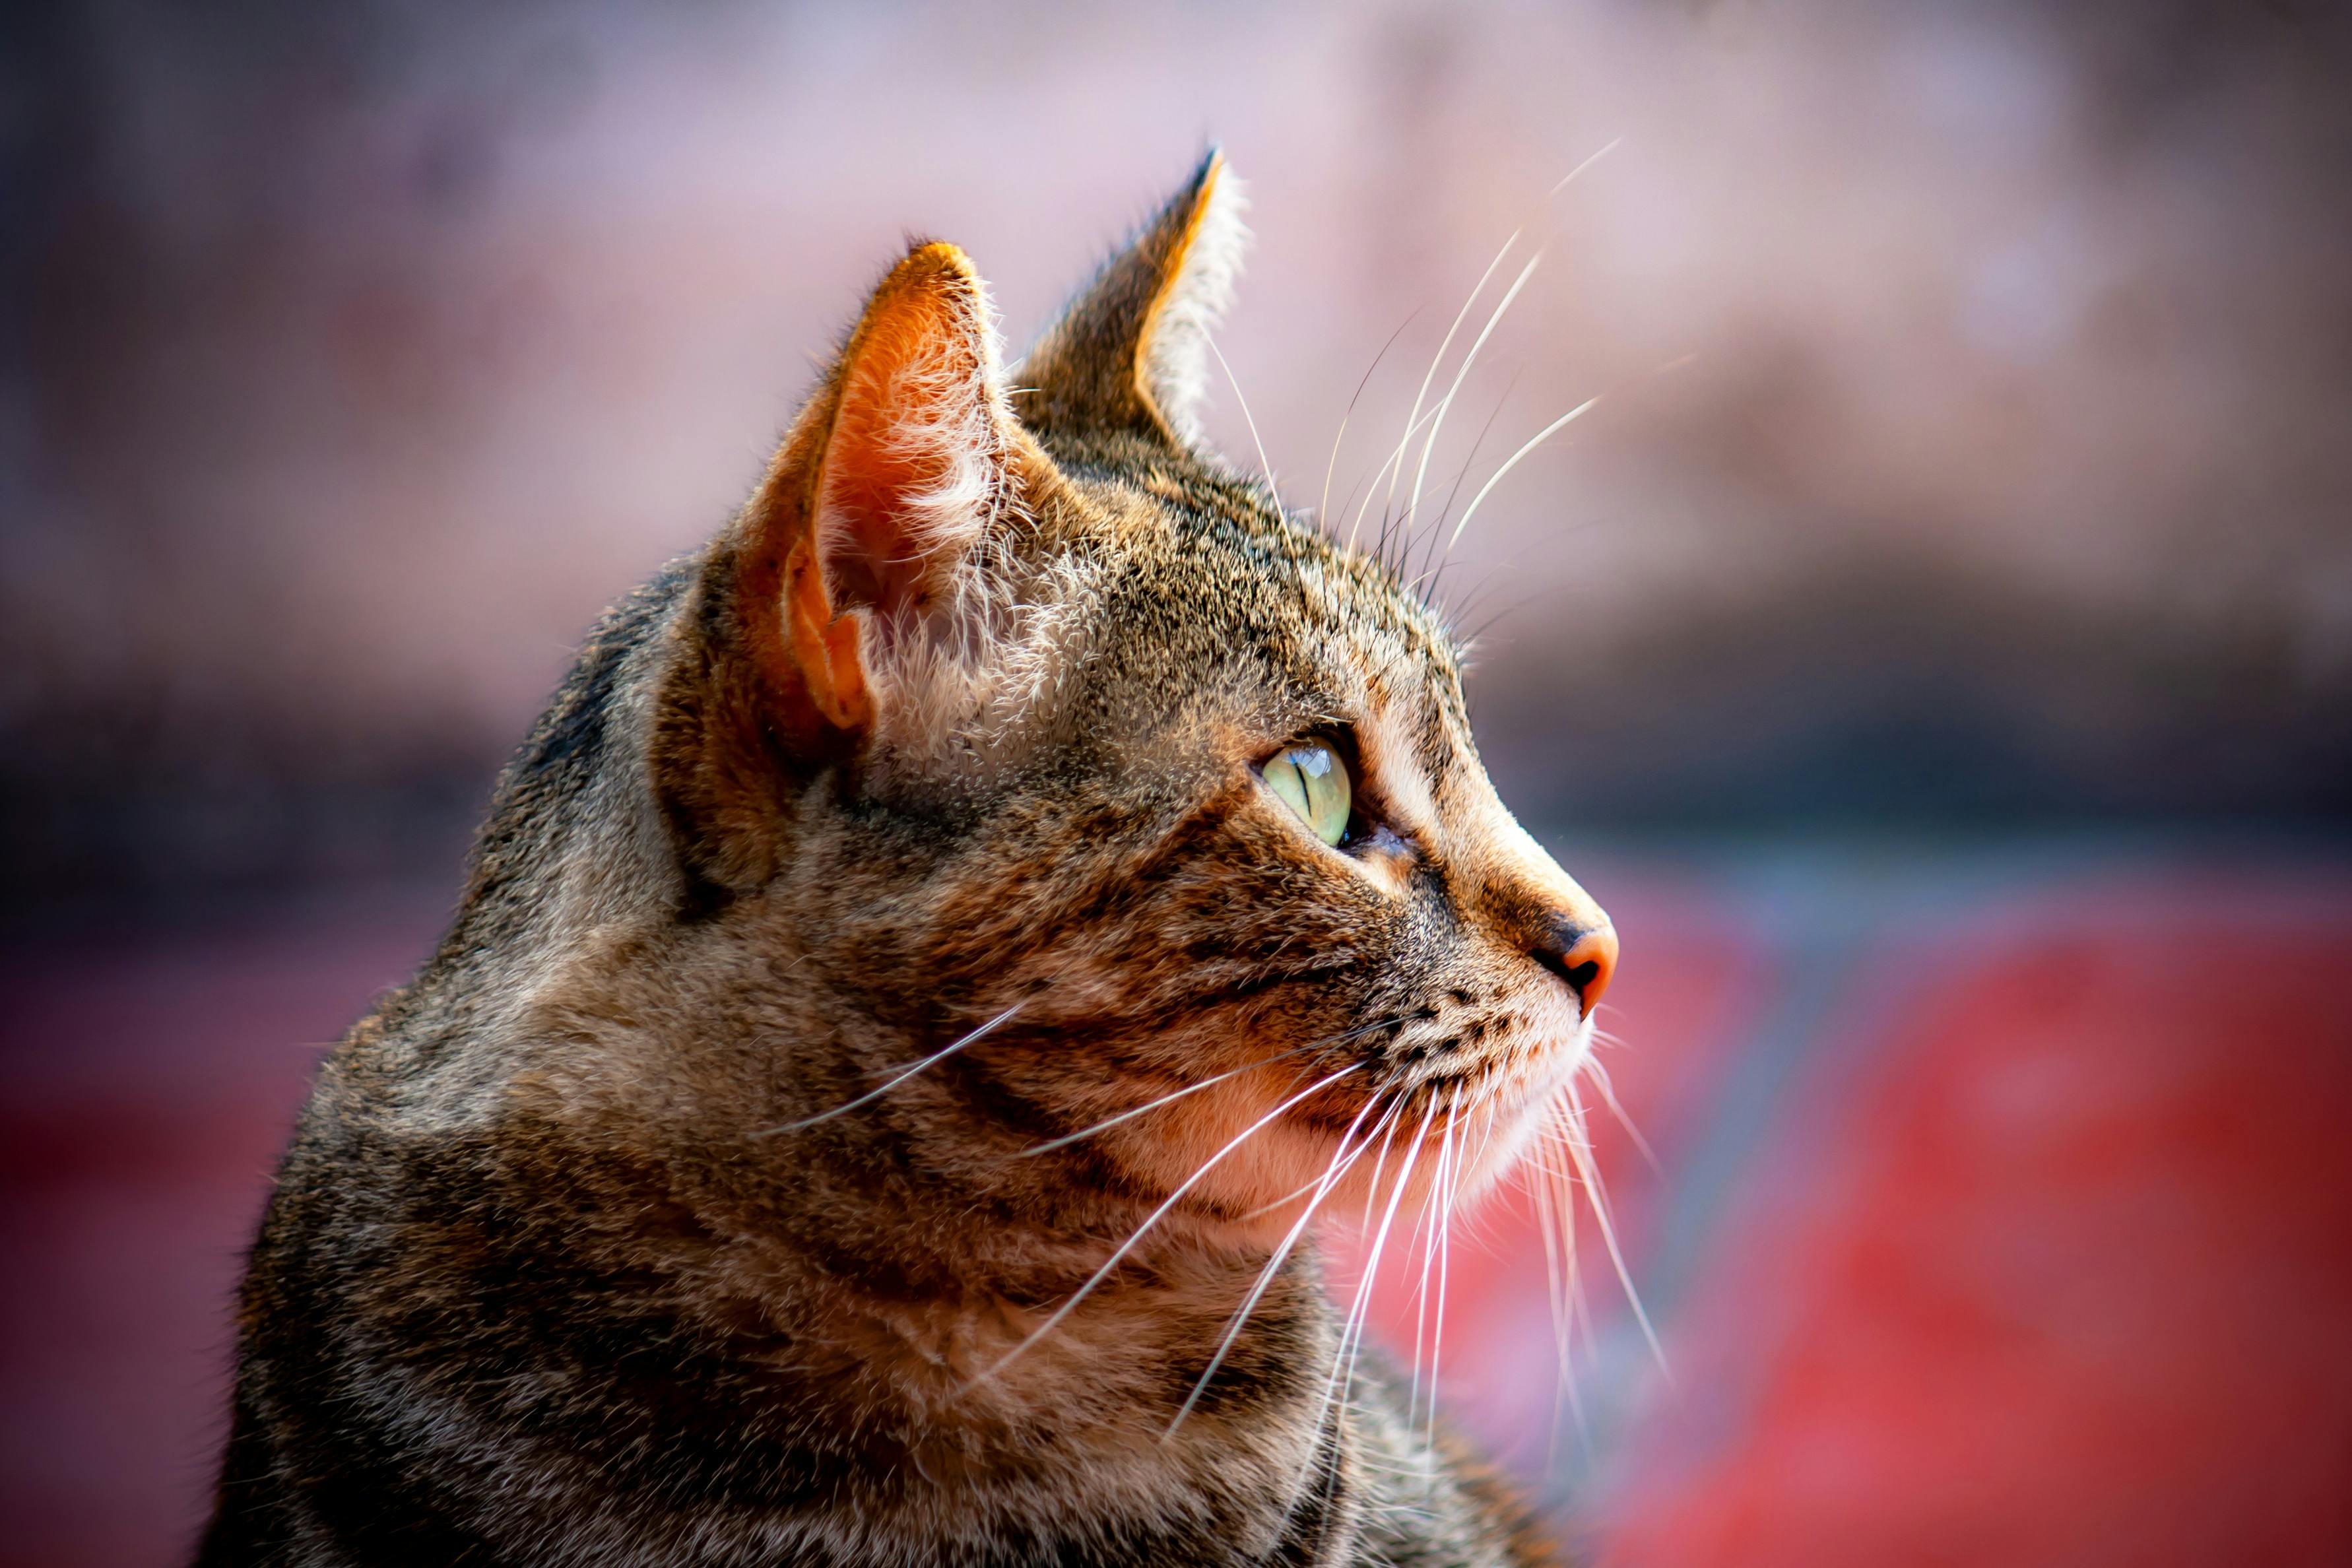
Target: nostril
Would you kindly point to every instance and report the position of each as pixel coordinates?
(1555, 958)
(1583, 956)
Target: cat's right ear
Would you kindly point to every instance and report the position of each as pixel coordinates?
(1130, 353)
(886, 482)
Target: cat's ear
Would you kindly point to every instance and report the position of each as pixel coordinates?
(886, 481)
(855, 535)
(1132, 350)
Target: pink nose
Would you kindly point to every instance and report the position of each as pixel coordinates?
(1584, 956)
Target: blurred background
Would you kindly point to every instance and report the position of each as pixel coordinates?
(1934, 646)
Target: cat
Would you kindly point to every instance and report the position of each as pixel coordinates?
(915, 984)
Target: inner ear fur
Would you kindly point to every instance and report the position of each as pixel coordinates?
(889, 475)
(1130, 353)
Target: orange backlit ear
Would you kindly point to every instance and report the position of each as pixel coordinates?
(889, 478)
(1132, 350)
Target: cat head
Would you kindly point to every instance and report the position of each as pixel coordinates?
(1005, 705)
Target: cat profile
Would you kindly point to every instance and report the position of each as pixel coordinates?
(917, 985)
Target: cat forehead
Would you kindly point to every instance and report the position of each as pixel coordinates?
(1203, 560)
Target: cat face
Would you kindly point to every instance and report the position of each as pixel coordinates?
(1018, 711)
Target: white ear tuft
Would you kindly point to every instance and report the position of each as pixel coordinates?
(1199, 292)
(915, 464)
(886, 482)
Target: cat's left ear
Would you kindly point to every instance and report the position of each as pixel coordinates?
(1131, 351)
(888, 479)
(884, 483)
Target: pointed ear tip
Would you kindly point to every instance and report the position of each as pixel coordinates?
(934, 263)
(939, 253)
(1215, 174)
(1221, 202)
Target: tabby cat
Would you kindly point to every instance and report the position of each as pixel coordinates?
(939, 947)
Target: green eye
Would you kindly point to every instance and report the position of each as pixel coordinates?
(1314, 783)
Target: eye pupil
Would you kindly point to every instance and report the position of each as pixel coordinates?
(1313, 781)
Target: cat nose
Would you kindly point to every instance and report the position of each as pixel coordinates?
(1583, 956)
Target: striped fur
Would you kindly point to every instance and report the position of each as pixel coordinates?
(575, 1258)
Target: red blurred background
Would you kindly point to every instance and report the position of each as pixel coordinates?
(1936, 649)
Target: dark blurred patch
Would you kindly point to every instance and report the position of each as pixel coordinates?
(1914, 693)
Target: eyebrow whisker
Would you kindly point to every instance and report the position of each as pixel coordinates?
(1321, 505)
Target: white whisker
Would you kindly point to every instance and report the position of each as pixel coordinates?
(1067, 1139)
(1592, 1070)
(1099, 1275)
(1596, 157)
(1338, 1387)
(1380, 1165)
(1387, 1219)
(1264, 466)
(1413, 418)
(1597, 1197)
(1339, 1167)
(874, 1094)
(1395, 460)
(1453, 490)
(1331, 467)
(1511, 462)
(1558, 1243)
(1460, 374)
(1444, 1260)
(1428, 1219)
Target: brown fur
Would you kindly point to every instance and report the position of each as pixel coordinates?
(956, 722)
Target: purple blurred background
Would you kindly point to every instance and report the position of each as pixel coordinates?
(1936, 647)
